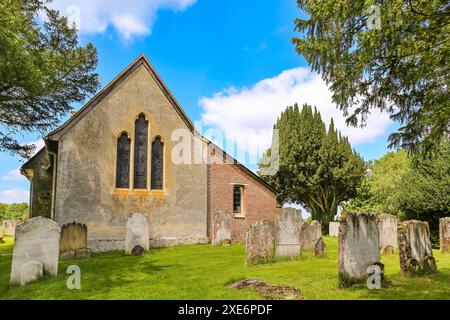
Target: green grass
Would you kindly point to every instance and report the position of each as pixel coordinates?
(201, 272)
(7, 247)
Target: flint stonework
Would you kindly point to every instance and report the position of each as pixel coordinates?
(414, 248)
(359, 247)
(387, 226)
(334, 229)
(444, 234)
(36, 239)
(221, 233)
(260, 242)
(288, 227)
(137, 235)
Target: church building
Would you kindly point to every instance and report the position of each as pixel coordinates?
(115, 157)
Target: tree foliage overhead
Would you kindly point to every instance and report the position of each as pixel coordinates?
(43, 69)
(401, 66)
(318, 169)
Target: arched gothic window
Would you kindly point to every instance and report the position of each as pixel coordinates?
(157, 164)
(123, 161)
(140, 152)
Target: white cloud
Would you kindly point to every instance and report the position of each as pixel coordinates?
(129, 18)
(235, 111)
(14, 196)
(14, 175)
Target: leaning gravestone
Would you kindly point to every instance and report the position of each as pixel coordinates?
(137, 240)
(73, 243)
(309, 235)
(319, 249)
(414, 248)
(359, 247)
(260, 242)
(333, 229)
(36, 239)
(444, 234)
(287, 237)
(387, 226)
(221, 233)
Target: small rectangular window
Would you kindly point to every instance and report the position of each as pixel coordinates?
(237, 199)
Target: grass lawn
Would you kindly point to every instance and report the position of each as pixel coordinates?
(201, 272)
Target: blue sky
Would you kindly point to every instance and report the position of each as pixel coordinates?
(230, 64)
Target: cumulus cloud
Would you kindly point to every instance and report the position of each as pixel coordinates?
(14, 196)
(236, 111)
(13, 175)
(129, 18)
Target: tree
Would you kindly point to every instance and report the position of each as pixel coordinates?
(317, 169)
(42, 71)
(391, 55)
(14, 211)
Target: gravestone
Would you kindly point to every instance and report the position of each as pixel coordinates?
(319, 248)
(414, 248)
(287, 237)
(310, 233)
(9, 227)
(444, 234)
(36, 239)
(221, 233)
(73, 242)
(334, 229)
(260, 242)
(31, 272)
(138, 235)
(1, 234)
(359, 247)
(387, 226)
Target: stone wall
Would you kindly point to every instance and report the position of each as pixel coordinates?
(86, 183)
(387, 226)
(260, 242)
(334, 229)
(36, 240)
(288, 227)
(444, 234)
(414, 246)
(359, 247)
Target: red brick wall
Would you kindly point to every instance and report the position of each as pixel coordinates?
(259, 202)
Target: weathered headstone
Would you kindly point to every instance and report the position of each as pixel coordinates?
(221, 233)
(73, 243)
(138, 235)
(319, 248)
(414, 248)
(36, 239)
(387, 226)
(444, 234)
(359, 247)
(310, 233)
(9, 227)
(1, 234)
(31, 272)
(333, 229)
(287, 237)
(260, 242)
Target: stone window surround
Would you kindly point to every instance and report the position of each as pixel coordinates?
(157, 193)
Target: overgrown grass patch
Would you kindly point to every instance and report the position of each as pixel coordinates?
(203, 272)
